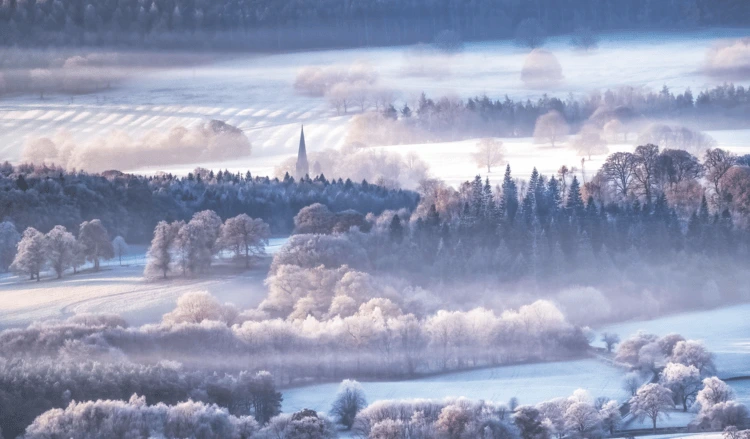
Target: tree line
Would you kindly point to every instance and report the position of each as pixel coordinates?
(131, 206)
(269, 25)
(58, 249)
(612, 114)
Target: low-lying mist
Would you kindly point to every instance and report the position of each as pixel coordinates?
(209, 141)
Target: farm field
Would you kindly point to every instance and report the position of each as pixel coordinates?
(725, 331)
(530, 383)
(256, 94)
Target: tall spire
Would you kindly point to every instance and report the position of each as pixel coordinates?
(303, 167)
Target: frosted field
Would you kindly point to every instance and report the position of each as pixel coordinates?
(123, 291)
(725, 331)
(530, 383)
(255, 93)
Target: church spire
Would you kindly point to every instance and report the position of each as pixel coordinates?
(303, 167)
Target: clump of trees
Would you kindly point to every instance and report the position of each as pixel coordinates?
(60, 250)
(191, 247)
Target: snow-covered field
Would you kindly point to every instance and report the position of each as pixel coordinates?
(255, 93)
(725, 331)
(530, 383)
(123, 290)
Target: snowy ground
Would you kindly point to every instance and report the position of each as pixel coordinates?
(725, 331)
(255, 93)
(530, 383)
(123, 290)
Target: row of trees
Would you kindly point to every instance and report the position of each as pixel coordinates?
(59, 249)
(610, 114)
(378, 341)
(130, 206)
(270, 25)
(192, 246)
(30, 387)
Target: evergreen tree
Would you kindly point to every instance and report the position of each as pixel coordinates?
(396, 230)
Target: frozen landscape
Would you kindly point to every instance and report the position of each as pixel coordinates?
(275, 220)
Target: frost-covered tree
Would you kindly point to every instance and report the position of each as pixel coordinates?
(120, 247)
(245, 237)
(197, 242)
(61, 248)
(136, 419)
(349, 401)
(694, 353)
(198, 306)
(489, 153)
(530, 423)
(582, 420)
(610, 415)
(453, 420)
(652, 401)
(714, 391)
(9, 238)
(315, 218)
(31, 254)
(684, 382)
(550, 128)
(95, 240)
(160, 253)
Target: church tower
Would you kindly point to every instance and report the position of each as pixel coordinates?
(303, 167)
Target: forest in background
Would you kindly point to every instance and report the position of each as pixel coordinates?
(270, 25)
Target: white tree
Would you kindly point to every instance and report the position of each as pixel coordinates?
(550, 128)
(9, 238)
(61, 248)
(120, 247)
(694, 353)
(610, 415)
(684, 382)
(159, 255)
(652, 401)
(714, 391)
(95, 240)
(582, 419)
(245, 237)
(197, 242)
(489, 153)
(30, 255)
(198, 306)
(349, 401)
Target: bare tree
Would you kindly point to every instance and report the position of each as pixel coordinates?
(717, 163)
(489, 153)
(610, 340)
(550, 128)
(646, 158)
(349, 401)
(340, 97)
(619, 169)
